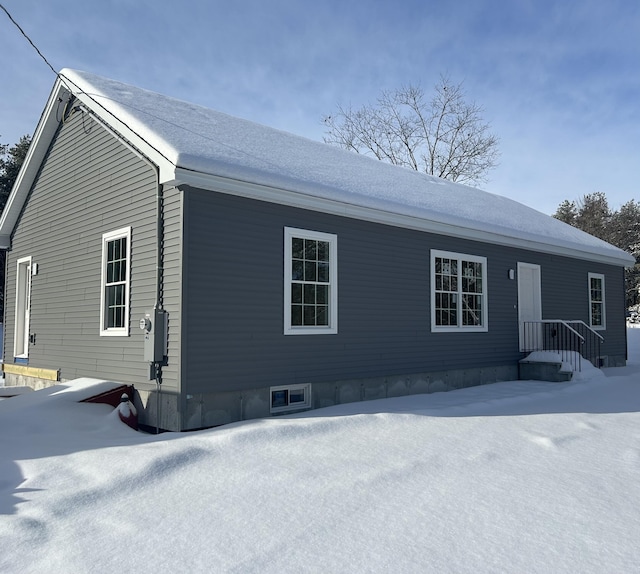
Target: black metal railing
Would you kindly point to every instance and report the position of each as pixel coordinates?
(572, 340)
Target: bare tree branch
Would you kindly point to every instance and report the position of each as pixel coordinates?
(445, 136)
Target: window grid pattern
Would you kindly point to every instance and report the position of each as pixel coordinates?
(310, 282)
(446, 291)
(471, 293)
(459, 292)
(596, 295)
(116, 283)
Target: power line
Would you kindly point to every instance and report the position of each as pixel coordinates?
(67, 82)
(28, 39)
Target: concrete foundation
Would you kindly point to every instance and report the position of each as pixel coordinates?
(212, 409)
(204, 410)
(11, 380)
(536, 371)
(150, 403)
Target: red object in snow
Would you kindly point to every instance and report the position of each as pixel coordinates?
(127, 412)
(112, 396)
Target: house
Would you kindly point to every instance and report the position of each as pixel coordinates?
(228, 270)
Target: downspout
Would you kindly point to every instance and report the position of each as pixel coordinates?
(158, 305)
(156, 365)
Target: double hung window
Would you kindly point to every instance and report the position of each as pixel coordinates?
(310, 282)
(116, 263)
(458, 292)
(597, 313)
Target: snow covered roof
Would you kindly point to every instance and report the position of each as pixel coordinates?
(208, 149)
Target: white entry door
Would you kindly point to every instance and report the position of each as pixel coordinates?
(529, 300)
(23, 308)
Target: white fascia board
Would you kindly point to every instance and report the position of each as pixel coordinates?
(165, 166)
(333, 207)
(40, 142)
(42, 137)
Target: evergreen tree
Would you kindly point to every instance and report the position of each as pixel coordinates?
(594, 215)
(626, 235)
(11, 159)
(625, 228)
(567, 212)
(621, 228)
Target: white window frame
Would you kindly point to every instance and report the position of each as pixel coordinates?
(460, 257)
(123, 331)
(289, 389)
(602, 327)
(332, 328)
(23, 308)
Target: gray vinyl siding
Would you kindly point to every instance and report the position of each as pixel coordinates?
(565, 294)
(223, 284)
(234, 299)
(89, 184)
(172, 284)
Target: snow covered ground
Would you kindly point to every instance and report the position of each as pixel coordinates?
(512, 477)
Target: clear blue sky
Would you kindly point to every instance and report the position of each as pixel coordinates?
(559, 80)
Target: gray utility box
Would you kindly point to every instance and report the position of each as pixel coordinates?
(154, 324)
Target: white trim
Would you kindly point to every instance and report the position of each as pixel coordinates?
(23, 308)
(296, 406)
(44, 132)
(166, 160)
(106, 237)
(397, 215)
(602, 327)
(134, 141)
(332, 239)
(295, 198)
(484, 327)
